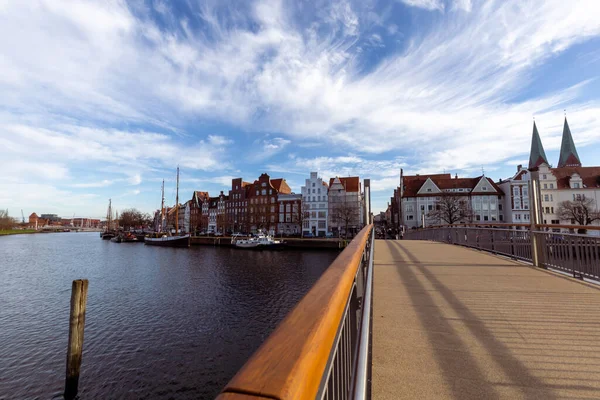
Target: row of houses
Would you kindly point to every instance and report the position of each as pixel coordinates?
(336, 207)
(38, 222)
(423, 199)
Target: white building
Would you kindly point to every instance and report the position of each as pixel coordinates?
(420, 194)
(516, 197)
(346, 206)
(315, 206)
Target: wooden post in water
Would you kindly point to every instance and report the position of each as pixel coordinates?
(75, 346)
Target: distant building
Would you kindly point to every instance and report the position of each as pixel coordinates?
(420, 194)
(315, 205)
(290, 214)
(263, 202)
(569, 181)
(346, 206)
(516, 197)
(237, 206)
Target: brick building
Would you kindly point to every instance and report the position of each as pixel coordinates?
(263, 202)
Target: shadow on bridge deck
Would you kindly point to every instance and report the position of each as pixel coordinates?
(455, 323)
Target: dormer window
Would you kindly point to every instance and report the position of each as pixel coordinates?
(429, 189)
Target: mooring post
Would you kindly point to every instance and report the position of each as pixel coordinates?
(75, 346)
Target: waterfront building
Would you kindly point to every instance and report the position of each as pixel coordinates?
(315, 206)
(291, 214)
(237, 207)
(480, 198)
(197, 220)
(516, 197)
(214, 211)
(263, 203)
(346, 206)
(569, 181)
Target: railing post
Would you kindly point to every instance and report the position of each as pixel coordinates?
(535, 208)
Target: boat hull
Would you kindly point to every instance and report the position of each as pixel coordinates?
(169, 241)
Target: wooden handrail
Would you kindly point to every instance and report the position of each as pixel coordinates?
(292, 361)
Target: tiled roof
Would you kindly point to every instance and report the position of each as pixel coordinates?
(412, 184)
(350, 183)
(281, 186)
(589, 175)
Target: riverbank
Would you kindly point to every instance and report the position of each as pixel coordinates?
(4, 232)
(296, 243)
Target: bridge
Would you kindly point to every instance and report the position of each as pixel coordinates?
(454, 313)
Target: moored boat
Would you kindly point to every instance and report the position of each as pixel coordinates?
(261, 241)
(166, 239)
(169, 241)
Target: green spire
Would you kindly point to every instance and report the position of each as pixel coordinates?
(568, 152)
(537, 156)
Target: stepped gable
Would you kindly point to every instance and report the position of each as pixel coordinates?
(537, 155)
(568, 152)
(350, 183)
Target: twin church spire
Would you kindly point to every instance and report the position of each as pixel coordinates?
(568, 152)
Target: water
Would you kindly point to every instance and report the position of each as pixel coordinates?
(161, 323)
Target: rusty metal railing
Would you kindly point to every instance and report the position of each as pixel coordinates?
(321, 349)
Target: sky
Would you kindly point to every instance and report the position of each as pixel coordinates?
(104, 99)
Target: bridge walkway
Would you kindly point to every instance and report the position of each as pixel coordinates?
(455, 323)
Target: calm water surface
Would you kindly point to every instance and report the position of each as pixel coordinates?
(161, 323)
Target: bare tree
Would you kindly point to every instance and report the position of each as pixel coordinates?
(345, 214)
(581, 211)
(6, 222)
(133, 218)
(451, 209)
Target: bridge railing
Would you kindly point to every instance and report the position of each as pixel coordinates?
(576, 254)
(321, 349)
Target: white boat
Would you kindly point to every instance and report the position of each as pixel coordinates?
(261, 241)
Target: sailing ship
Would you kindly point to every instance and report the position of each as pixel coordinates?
(165, 238)
(108, 234)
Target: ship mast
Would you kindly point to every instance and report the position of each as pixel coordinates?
(108, 216)
(177, 205)
(162, 207)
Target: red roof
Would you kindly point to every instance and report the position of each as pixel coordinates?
(589, 175)
(281, 186)
(350, 183)
(413, 183)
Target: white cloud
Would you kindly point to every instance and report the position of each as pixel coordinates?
(426, 4)
(102, 183)
(135, 179)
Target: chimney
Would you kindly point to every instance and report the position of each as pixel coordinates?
(519, 168)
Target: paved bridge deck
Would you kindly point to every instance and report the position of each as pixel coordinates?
(455, 323)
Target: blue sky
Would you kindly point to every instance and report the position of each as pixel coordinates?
(105, 98)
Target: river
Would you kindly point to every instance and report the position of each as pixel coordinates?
(161, 323)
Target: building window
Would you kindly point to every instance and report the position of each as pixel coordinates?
(499, 207)
(429, 190)
(546, 197)
(544, 176)
(264, 192)
(552, 210)
(485, 217)
(422, 208)
(552, 186)
(576, 186)
(281, 217)
(409, 217)
(314, 198)
(281, 208)
(478, 217)
(545, 186)
(313, 184)
(501, 217)
(547, 210)
(429, 207)
(484, 188)
(272, 199)
(322, 214)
